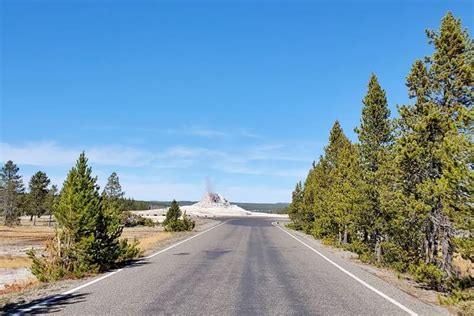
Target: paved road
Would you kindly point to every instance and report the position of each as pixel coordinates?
(242, 267)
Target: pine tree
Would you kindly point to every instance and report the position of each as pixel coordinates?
(173, 222)
(11, 187)
(113, 189)
(296, 208)
(435, 149)
(173, 214)
(38, 186)
(51, 200)
(86, 239)
(375, 137)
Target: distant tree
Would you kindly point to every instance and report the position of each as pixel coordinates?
(38, 195)
(113, 189)
(173, 213)
(295, 209)
(51, 200)
(11, 189)
(173, 222)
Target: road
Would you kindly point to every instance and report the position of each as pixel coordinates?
(241, 267)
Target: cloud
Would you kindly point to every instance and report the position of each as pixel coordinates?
(51, 154)
(179, 171)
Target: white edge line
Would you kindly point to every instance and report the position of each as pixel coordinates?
(370, 287)
(46, 302)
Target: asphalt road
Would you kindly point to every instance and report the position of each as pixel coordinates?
(242, 267)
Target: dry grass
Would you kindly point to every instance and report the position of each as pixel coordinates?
(19, 286)
(24, 236)
(463, 267)
(14, 262)
(149, 237)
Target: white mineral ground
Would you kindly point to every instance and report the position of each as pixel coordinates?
(211, 205)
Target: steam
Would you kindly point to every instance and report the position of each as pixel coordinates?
(209, 187)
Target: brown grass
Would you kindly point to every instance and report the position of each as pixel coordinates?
(14, 262)
(19, 286)
(149, 237)
(463, 267)
(24, 236)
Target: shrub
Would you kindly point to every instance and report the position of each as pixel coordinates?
(131, 220)
(173, 222)
(429, 275)
(394, 256)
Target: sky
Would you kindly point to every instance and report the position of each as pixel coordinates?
(171, 93)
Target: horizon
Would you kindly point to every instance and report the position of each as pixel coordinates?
(176, 96)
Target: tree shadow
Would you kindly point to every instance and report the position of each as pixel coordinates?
(45, 305)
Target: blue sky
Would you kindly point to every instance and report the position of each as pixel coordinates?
(171, 93)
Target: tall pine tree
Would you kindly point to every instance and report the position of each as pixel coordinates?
(11, 187)
(435, 149)
(38, 195)
(375, 138)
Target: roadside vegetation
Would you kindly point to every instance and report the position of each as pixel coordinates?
(402, 196)
(88, 224)
(176, 221)
(88, 228)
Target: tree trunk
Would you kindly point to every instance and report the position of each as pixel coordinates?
(447, 248)
(346, 235)
(378, 247)
(49, 221)
(34, 221)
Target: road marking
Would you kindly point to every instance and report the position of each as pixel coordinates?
(370, 287)
(56, 297)
(52, 299)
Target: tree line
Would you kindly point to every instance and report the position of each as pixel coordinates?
(402, 195)
(38, 198)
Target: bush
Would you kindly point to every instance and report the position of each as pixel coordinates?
(429, 275)
(185, 224)
(174, 223)
(129, 251)
(132, 220)
(357, 246)
(394, 256)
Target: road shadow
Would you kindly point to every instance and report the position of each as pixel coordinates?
(216, 253)
(251, 222)
(44, 305)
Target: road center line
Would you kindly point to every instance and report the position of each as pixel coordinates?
(52, 299)
(370, 287)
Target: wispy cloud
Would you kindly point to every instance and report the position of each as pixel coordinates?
(51, 154)
(177, 171)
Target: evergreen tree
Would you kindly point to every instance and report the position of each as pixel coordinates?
(173, 214)
(173, 222)
(113, 189)
(38, 186)
(51, 200)
(113, 200)
(375, 137)
(11, 189)
(435, 149)
(295, 209)
(86, 239)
